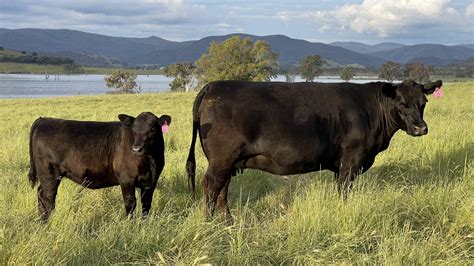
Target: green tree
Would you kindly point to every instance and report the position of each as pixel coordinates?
(182, 74)
(417, 72)
(237, 59)
(390, 71)
(347, 73)
(310, 67)
(290, 74)
(122, 81)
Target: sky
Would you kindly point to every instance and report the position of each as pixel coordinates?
(367, 21)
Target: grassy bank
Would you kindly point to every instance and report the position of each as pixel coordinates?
(415, 205)
(20, 68)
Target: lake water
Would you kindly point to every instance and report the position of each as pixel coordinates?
(36, 86)
(33, 86)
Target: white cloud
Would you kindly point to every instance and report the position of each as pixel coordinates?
(382, 17)
(323, 20)
(470, 10)
(113, 17)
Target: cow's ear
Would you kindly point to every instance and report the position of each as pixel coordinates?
(389, 90)
(165, 119)
(126, 120)
(429, 88)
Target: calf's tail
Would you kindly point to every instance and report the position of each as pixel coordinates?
(32, 172)
(191, 162)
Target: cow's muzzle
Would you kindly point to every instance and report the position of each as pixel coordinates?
(419, 130)
(138, 150)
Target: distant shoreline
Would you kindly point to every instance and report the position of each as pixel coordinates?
(22, 68)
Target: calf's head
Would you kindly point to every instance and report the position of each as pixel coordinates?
(410, 100)
(145, 130)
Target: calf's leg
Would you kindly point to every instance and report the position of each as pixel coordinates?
(128, 193)
(146, 195)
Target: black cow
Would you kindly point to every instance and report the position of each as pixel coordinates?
(129, 153)
(293, 128)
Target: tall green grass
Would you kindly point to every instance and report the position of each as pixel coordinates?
(415, 205)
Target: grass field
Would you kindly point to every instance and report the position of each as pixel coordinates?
(414, 206)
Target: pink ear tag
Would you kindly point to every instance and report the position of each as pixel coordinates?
(165, 128)
(438, 93)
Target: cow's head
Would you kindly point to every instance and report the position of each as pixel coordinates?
(145, 128)
(410, 101)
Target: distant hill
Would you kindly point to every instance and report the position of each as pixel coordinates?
(366, 48)
(155, 50)
(55, 41)
(100, 50)
(11, 56)
(433, 61)
(10, 52)
(88, 59)
(290, 51)
(464, 63)
(407, 53)
(467, 45)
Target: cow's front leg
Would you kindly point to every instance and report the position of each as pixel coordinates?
(146, 195)
(350, 167)
(344, 180)
(128, 193)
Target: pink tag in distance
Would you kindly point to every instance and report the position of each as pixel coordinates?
(438, 93)
(165, 128)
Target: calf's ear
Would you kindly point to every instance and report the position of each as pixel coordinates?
(126, 120)
(389, 90)
(165, 118)
(429, 88)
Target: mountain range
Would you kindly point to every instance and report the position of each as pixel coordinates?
(95, 49)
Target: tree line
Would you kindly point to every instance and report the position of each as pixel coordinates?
(243, 59)
(69, 66)
(36, 59)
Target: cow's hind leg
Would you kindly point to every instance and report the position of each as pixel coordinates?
(47, 191)
(214, 181)
(222, 204)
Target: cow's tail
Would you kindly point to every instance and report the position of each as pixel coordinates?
(32, 173)
(191, 162)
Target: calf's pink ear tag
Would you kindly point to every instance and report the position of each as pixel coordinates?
(165, 128)
(438, 93)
